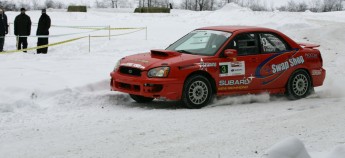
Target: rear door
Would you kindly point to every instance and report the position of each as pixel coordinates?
(274, 60)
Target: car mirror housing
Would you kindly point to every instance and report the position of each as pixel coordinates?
(230, 53)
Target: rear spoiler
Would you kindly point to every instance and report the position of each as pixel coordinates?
(308, 45)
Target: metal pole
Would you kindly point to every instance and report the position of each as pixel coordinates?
(17, 42)
(89, 43)
(109, 32)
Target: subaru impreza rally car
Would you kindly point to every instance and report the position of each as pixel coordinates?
(221, 60)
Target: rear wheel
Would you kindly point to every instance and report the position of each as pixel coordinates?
(299, 85)
(141, 99)
(197, 92)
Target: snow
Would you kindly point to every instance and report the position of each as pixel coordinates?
(338, 152)
(288, 148)
(59, 104)
(292, 147)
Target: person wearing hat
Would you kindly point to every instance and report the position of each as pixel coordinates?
(43, 29)
(3, 28)
(22, 27)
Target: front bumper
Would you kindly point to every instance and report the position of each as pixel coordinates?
(168, 88)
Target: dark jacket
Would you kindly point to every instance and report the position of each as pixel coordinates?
(43, 25)
(22, 25)
(3, 24)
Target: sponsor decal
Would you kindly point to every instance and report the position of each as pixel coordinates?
(244, 81)
(140, 60)
(204, 32)
(235, 68)
(232, 88)
(204, 65)
(133, 65)
(287, 64)
(316, 72)
(311, 55)
(268, 60)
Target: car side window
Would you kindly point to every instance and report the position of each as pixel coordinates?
(245, 44)
(198, 41)
(271, 43)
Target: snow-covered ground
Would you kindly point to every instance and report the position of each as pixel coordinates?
(59, 104)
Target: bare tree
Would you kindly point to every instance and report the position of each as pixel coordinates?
(196, 5)
(114, 3)
(302, 7)
(291, 6)
(149, 3)
(8, 5)
(339, 5)
(332, 5)
(201, 4)
(256, 5)
(100, 4)
(315, 5)
(141, 3)
(49, 3)
(212, 4)
(187, 4)
(35, 4)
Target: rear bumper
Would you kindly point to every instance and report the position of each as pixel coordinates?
(169, 88)
(318, 76)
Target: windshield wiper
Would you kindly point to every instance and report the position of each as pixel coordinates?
(184, 51)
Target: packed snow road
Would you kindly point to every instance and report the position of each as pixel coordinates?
(59, 104)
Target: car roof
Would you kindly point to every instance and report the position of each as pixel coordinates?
(231, 28)
(241, 29)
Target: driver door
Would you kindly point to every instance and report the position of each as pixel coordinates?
(236, 75)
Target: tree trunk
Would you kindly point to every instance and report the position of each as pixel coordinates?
(196, 5)
(201, 5)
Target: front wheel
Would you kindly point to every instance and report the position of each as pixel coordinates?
(141, 99)
(197, 92)
(299, 85)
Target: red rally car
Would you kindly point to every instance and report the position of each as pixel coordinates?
(221, 60)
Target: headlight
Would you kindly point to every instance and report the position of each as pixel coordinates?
(159, 72)
(117, 65)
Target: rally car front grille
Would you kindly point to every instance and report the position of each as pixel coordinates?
(126, 86)
(130, 71)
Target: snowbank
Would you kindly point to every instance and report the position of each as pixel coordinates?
(288, 148)
(292, 147)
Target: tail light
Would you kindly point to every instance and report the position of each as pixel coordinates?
(321, 60)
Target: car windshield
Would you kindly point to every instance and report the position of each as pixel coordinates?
(200, 42)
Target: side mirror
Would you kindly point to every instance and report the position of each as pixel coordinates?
(230, 53)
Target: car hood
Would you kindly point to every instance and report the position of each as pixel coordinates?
(156, 58)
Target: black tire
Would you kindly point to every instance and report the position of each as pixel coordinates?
(197, 92)
(299, 85)
(141, 99)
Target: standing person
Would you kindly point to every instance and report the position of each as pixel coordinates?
(22, 27)
(43, 29)
(3, 28)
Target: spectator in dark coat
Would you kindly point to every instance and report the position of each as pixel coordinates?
(3, 28)
(22, 27)
(43, 29)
